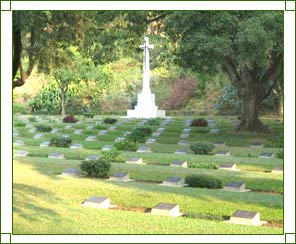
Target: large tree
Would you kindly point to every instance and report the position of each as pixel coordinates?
(247, 45)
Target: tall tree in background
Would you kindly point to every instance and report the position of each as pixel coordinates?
(247, 45)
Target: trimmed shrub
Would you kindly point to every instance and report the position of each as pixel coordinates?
(153, 122)
(139, 134)
(201, 122)
(69, 119)
(60, 141)
(201, 148)
(96, 168)
(19, 124)
(203, 181)
(89, 115)
(203, 165)
(110, 120)
(126, 145)
(110, 155)
(43, 128)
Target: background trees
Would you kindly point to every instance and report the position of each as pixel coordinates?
(247, 45)
(193, 45)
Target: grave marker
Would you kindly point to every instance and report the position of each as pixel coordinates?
(98, 202)
(107, 147)
(56, 155)
(244, 217)
(219, 144)
(18, 143)
(112, 128)
(67, 127)
(214, 131)
(92, 157)
(228, 166)
(183, 142)
(160, 129)
(91, 138)
(184, 135)
(155, 134)
(166, 209)
(181, 151)
(256, 145)
(76, 146)
(21, 153)
(70, 172)
(222, 153)
(174, 181)
(78, 132)
(266, 155)
(119, 139)
(179, 163)
(38, 136)
(32, 130)
(44, 144)
(150, 141)
(235, 186)
(120, 177)
(103, 132)
(144, 149)
(89, 127)
(187, 130)
(126, 134)
(134, 161)
(54, 131)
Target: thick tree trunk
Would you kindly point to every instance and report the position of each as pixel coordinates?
(250, 121)
(63, 103)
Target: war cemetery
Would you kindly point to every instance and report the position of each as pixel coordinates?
(148, 122)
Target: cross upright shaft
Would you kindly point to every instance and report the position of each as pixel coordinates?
(146, 66)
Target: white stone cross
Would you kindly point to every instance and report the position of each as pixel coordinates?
(146, 67)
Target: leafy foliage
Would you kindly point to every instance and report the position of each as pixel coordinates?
(110, 155)
(203, 165)
(96, 168)
(201, 148)
(139, 134)
(153, 122)
(201, 122)
(110, 120)
(203, 181)
(89, 115)
(70, 119)
(183, 89)
(43, 128)
(60, 141)
(126, 145)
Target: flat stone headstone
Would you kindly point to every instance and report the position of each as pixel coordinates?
(219, 143)
(91, 138)
(89, 127)
(97, 202)
(78, 132)
(15, 134)
(166, 209)
(144, 149)
(156, 134)
(56, 155)
(134, 161)
(29, 126)
(150, 141)
(183, 142)
(38, 136)
(256, 145)
(119, 139)
(277, 170)
(181, 151)
(67, 127)
(266, 155)
(126, 134)
(174, 181)
(228, 166)
(245, 217)
(222, 153)
(76, 146)
(112, 128)
(44, 144)
(107, 147)
(103, 132)
(92, 157)
(18, 143)
(70, 172)
(120, 177)
(187, 130)
(160, 129)
(184, 135)
(21, 153)
(235, 186)
(32, 130)
(214, 131)
(65, 136)
(179, 163)
(54, 131)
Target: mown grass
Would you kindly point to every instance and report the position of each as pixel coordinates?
(254, 180)
(51, 204)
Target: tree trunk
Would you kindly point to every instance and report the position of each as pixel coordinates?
(249, 121)
(63, 102)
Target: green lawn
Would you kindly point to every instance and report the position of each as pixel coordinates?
(47, 203)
